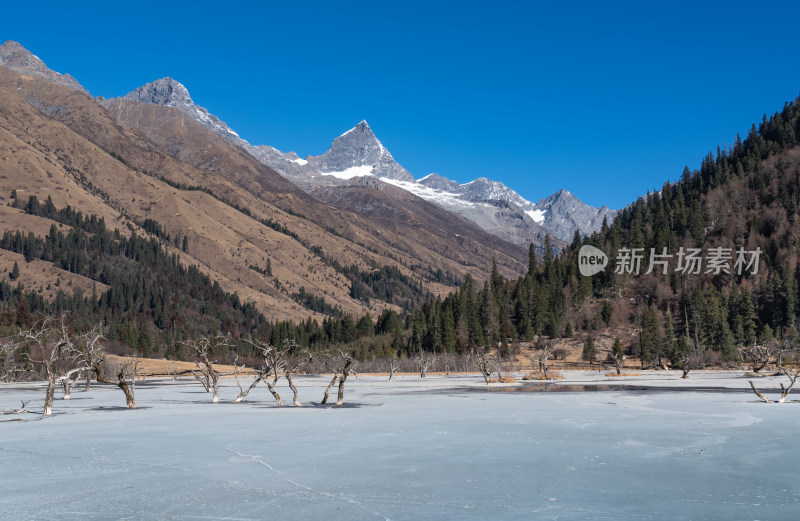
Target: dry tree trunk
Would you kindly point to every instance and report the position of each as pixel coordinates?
(271, 387)
(484, 368)
(764, 398)
(130, 400)
(328, 389)
(50, 393)
(340, 398)
(203, 377)
(120, 381)
(215, 386)
(244, 392)
(392, 368)
(793, 375)
(88, 375)
(67, 381)
(345, 373)
(66, 386)
(295, 401)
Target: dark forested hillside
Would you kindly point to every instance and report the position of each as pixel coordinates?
(737, 214)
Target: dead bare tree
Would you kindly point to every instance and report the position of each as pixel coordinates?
(792, 374)
(275, 364)
(686, 364)
(341, 371)
(68, 379)
(204, 347)
(291, 365)
(424, 362)
(485, 365)
(9, 368)
(87, 374)
(757, 356)
(393, 365)
(242, 391)
(543, 353)
(110, 371)
(21, 410)
(763, 398)
(52, 350)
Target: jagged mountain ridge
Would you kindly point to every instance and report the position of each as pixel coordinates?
(170, 93)
(491, 205)
(17, 58)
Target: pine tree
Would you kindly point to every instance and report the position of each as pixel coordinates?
(365, 326)
(650, 338)
(533, 265)
(605, 313)
(748, 316)
(589, 350)
(568, 331)
(547, 254)
(669, 335)
(617, 349)
(14, 275)
(144, 341)
(448, 329)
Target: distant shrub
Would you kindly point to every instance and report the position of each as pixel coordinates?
(552, 374)
(503, 380)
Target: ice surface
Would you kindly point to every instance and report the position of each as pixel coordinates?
(442, 448)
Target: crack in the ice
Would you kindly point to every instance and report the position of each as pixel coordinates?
(246, 458)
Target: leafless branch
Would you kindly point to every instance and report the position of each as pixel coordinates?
(341, 372)
(204, 347)
(424, 362)
(393, 365)
(758, 356)
(108, 371)
(51, 349)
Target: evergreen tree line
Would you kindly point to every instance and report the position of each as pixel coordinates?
(150, 293)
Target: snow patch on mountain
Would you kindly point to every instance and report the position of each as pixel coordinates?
(353, 171)
(537, 215)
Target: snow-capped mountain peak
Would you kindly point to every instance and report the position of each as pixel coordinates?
(358, 152)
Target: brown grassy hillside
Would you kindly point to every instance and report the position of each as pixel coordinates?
(61, 143)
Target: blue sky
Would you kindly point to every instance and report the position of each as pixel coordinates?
(608, 100)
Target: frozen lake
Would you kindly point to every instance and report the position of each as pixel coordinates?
(440, 448)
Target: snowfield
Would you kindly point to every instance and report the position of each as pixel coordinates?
(439, 448)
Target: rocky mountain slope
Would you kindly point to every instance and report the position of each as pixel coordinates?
(128, 162)
(17, 58)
